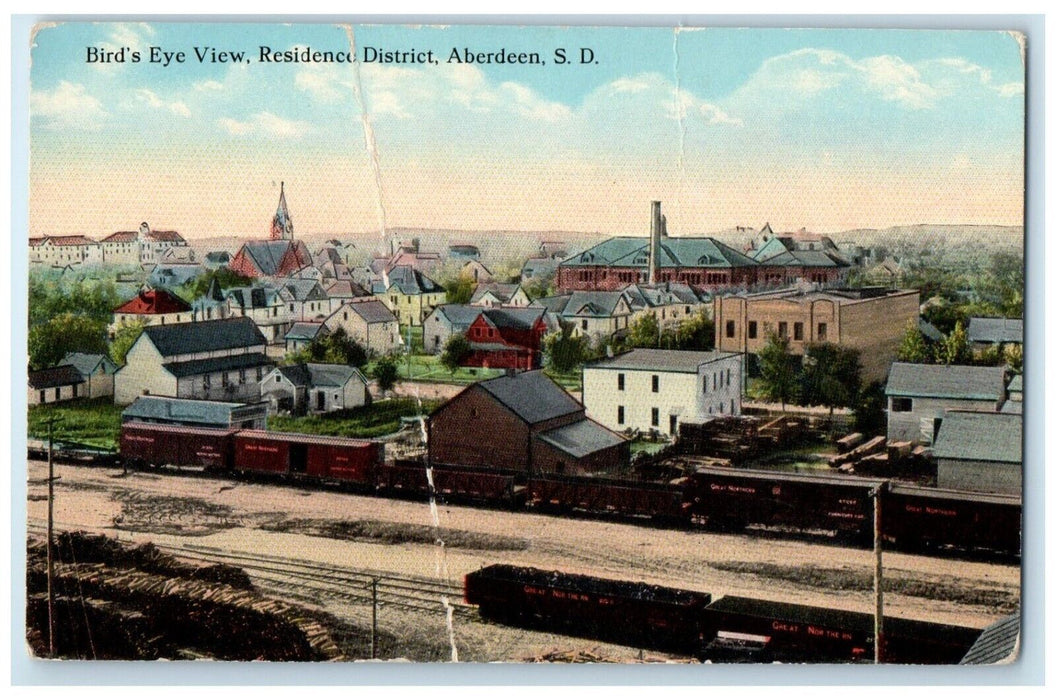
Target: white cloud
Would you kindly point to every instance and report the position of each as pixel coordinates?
(127, 35)
(209, 86)
(896, 81)
(264, 124)
(68, 106)
(151, 99)
(1010, 89)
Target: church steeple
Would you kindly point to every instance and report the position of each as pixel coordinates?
(281, 223)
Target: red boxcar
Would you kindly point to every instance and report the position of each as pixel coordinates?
(920, 518)
(157, 445)
(632, 613)
(322, 457)
(476, 484)
(739, 497)
(606, 495)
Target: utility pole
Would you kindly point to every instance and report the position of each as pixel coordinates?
(50, 422)
(374, 618)
(878, 578)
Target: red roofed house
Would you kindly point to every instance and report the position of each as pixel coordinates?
(508, 338)
(152, 307)
(64, 250)
(142, 247)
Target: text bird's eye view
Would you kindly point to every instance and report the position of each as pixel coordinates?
(524, 344)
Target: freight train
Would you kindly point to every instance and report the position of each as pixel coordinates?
(912, 518)
(731, 628)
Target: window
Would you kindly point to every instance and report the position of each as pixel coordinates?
(656, 417)
(656, 383)
(730, 329)
(241, 376)
(42, 398)
(74, 391)
(260, 373)
(619, 415)
(223, 379)
(753, 329)
(207, 383)
(584, 324)
(57, 390)
(782, 329)
(823, 329)
(727, 376)
(620, 382)
(346, 315)
(900, 405)
(705, 378)
(797, 331)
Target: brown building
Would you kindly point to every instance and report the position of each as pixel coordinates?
(870, 320)
(523, 422)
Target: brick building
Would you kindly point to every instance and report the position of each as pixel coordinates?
(523, 422)
(507, 338)
(869, 320)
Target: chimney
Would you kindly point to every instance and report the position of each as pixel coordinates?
(655, 231)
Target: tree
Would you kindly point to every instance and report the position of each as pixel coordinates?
(954, 348)
(386, 373)
(50, 341)
(459, 290)
(777, 368)
(696, 332)
(335, 348)
(125, 337)
(225, 277)
(832, 376)
(1014, 357)
(869, 409)
(644, 332)
(914, 346)
(456, 349)
(564, 350)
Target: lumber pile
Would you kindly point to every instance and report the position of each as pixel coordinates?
(571, 656)
(735, 438)
(849, 460)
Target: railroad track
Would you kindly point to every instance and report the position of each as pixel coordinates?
(346, 584)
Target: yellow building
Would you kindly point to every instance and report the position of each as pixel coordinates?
(410, 295)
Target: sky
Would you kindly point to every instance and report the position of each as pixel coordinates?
(820, 129)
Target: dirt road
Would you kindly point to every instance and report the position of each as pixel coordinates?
(347, 530)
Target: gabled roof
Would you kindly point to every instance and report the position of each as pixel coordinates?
(644, 296)
(62, 241)
(156, 236)
(929, 331)
(87, 363)
(305, 331)
(513, 318)
(268, 256)
(61, 375)
(346, 288)
(995, 330)
(979, 436)
(600, 304)
(998, 643)
(661, 360)
(460, 316)
(946, 382)
(318, 374)
(175, 274)
(205, 336)
(303, 289)
(633, 251)
(370, 311)
(581, 438)
(532, 396)
(255, 297)
(153, 301)
(192, 368)
(410, 281)
(502, 292)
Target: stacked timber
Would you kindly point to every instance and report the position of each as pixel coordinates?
(849, 461)
(783, 431)
(734, 438)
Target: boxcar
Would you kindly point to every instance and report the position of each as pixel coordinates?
(605, 495)
(455, 483)
(735, 498)
(790, 632)
(320, 457)
(149, 444)
(625, 612)
(917, 518)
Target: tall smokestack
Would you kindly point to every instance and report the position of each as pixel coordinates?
(655, 230)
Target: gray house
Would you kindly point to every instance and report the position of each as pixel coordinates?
(96, 369)
(314, 388)
(980, 452)
(918, 396)
(984, 332)
(445, 321)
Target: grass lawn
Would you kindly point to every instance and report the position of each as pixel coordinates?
(647, 447)
(94, 422)
(428, 368)
(572, 381)
(379, 418)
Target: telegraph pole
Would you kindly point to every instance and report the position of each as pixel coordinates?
(374, 618)
(878, 578)
(50, 422)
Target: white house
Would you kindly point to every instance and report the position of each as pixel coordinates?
(590, 313)
(96, 369)
(648, 389)
(48, 251)
(221, 360)
(314, 388)
(142, 247)
(54, 384)
(497, 294)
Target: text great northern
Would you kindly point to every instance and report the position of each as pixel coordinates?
(372, 54)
